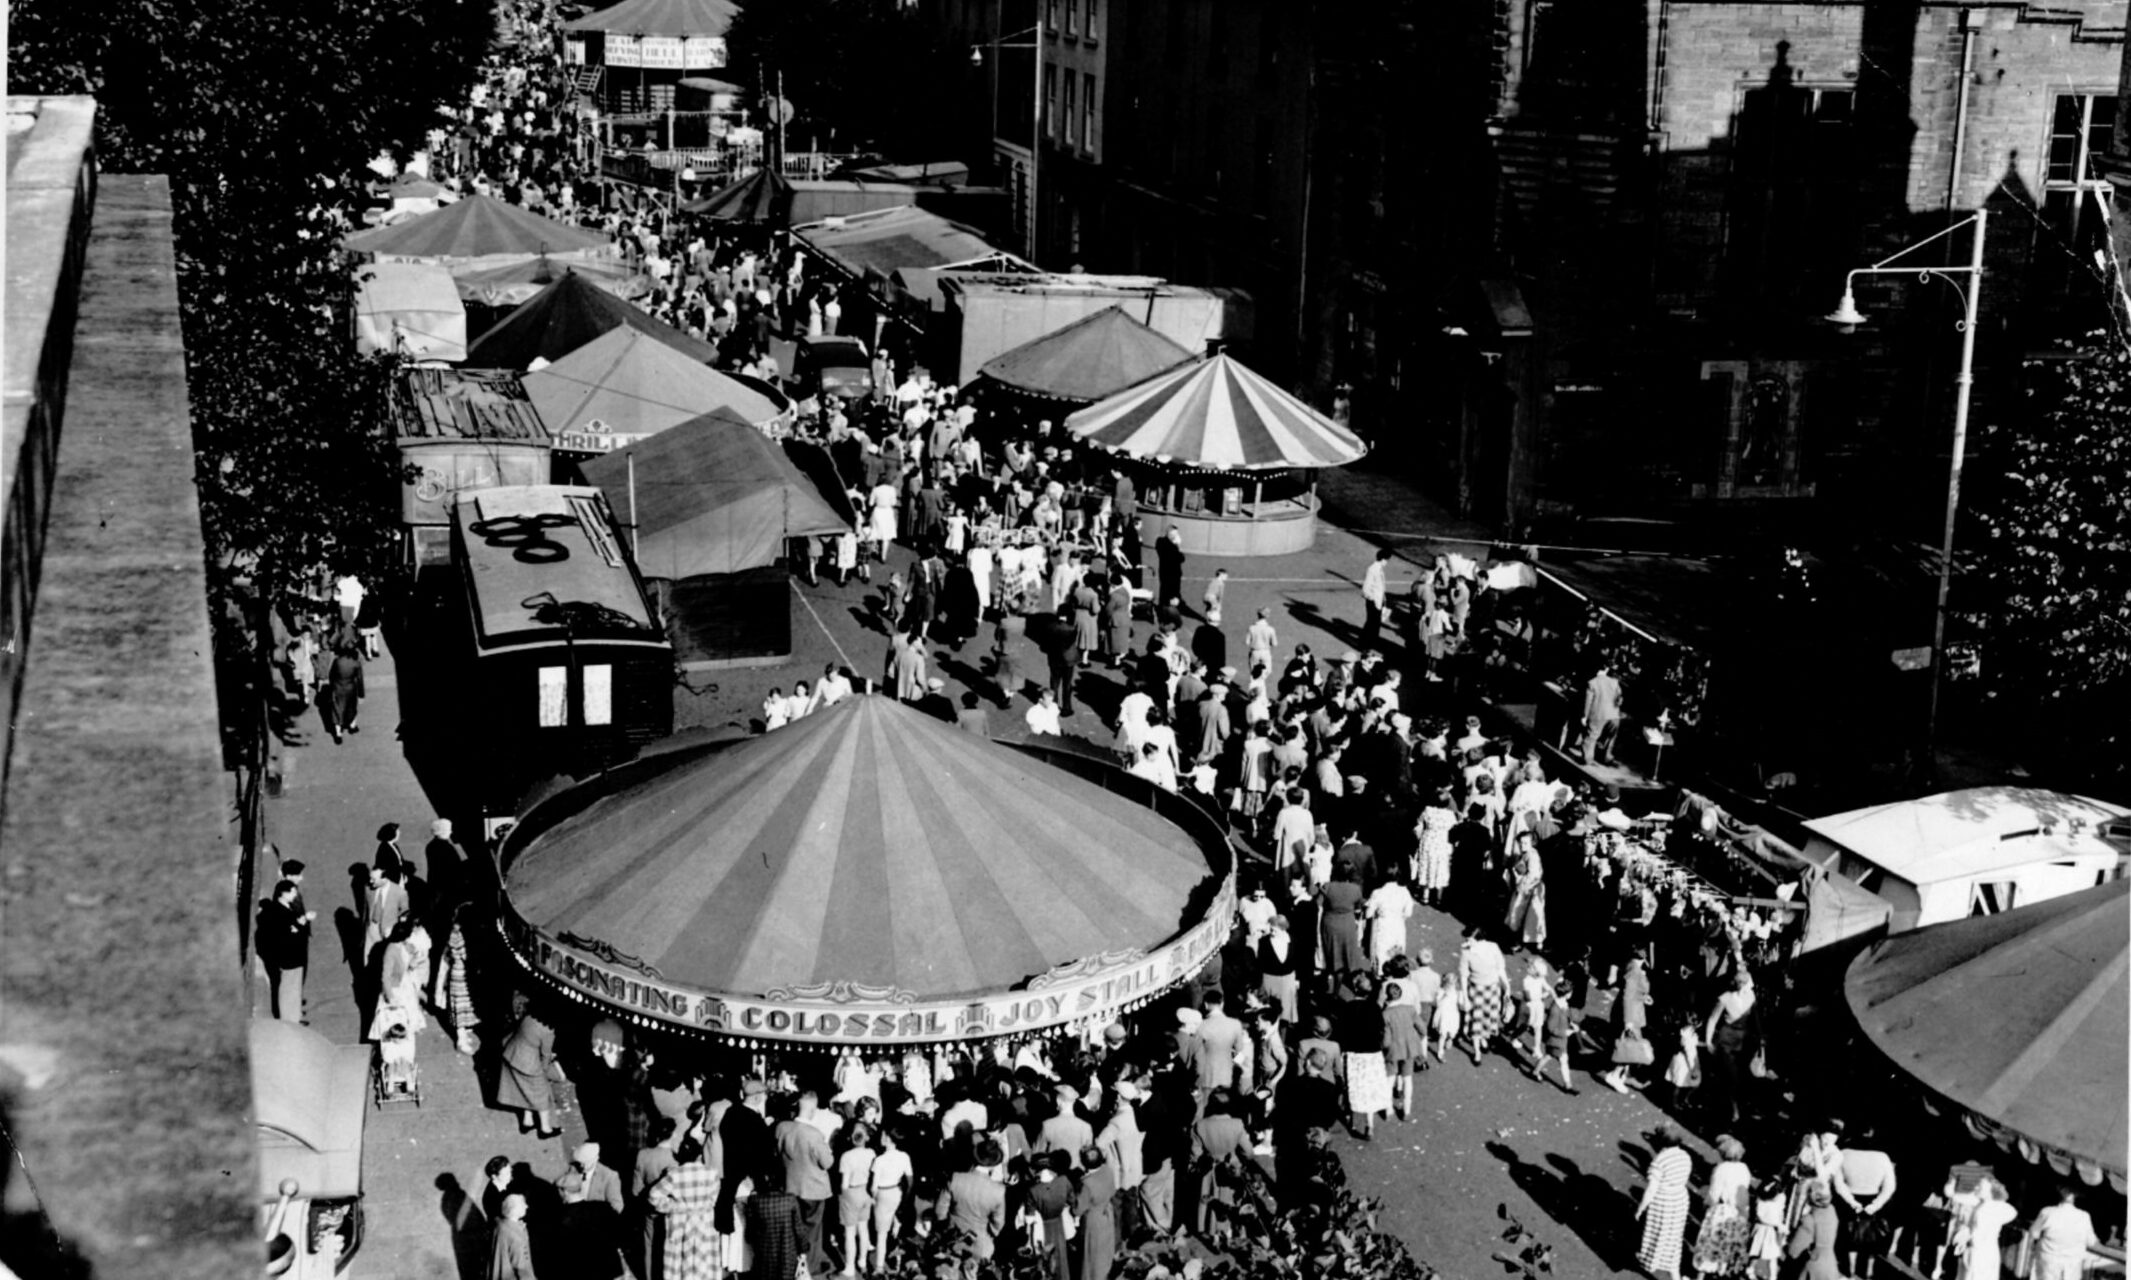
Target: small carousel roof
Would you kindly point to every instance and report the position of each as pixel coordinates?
(1216, 414)
(1095, 356)
(866, 862)
(476, 227)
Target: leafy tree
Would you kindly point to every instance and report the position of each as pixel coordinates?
(264, 115)
(2044, 587)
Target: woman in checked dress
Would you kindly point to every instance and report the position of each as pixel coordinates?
(1663, 1208)
(686, 1198)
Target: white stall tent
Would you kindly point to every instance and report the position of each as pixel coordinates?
(412, 307)
(1974, 852)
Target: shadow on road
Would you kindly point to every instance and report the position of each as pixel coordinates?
(1600, 1215)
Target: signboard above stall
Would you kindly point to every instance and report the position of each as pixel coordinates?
(665, 53)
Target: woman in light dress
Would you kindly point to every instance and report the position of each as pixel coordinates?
(1977, 1243)
(1720, 1247)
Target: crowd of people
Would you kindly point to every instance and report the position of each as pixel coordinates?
(1357, 808)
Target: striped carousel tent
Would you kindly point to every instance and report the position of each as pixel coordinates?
(1216, 415)
(868, 861)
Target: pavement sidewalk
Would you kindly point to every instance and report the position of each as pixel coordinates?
(420, 1165)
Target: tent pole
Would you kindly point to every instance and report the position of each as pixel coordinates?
(630, 457)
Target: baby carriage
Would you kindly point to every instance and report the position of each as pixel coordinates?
(396, 1076)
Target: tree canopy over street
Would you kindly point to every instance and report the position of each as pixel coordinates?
(2047, 581)
(265, 115)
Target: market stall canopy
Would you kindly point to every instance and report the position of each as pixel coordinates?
(309, 1098)
(626, 385)
(711, 495)
(411, 308)
(877, 244)
(762, 198)
(661, 18)
(865, 876)
(1943, 857)
(2017, 1018)
(1218, 415)
(1092, 357)
(564, 317)
(477, 227)
(512, 284)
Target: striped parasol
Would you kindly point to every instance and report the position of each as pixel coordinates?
(1218, 415)
(867, 861)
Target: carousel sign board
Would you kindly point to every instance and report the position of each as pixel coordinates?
(661, 53)
(623, 51)
(846, 1015)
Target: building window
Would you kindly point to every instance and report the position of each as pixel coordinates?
(1091, 30)
(2073, 190)
(2080, 134)
(1087, 111)
(1072, 17)
(1050, 15)
(1072, 109)
(1050, 102)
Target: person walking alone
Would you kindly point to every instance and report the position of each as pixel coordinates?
(1372, 599)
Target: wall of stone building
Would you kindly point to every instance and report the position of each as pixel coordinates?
(2022, 62)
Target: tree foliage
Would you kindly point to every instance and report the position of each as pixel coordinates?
(2044, 581)
(264, 115)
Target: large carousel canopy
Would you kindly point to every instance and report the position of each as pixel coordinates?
(476, 227)
(1095, 356)
(1216, 415)
(865, 877)
(566, 315)
(2018, 1019)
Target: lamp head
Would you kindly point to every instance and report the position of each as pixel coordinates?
(1846, 312)
(976, 55)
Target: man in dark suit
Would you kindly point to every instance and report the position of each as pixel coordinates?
(975, 1203)
(446, 869)
(284, 946)
(804, 1149)
(1169, 567)
(750, 1152)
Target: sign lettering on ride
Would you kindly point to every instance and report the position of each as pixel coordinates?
(1100, 994)
(702, 53)
(622, 51)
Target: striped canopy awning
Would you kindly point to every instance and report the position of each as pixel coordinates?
(868, 860)
(1217, 415)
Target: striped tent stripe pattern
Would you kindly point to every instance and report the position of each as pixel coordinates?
(1219, 415)
(868, 843)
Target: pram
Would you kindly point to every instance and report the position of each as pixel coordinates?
(395, 1076)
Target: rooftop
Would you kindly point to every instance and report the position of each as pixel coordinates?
(1958, 834)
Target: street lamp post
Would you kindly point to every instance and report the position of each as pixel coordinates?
(976, 56)
(1846, 314)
